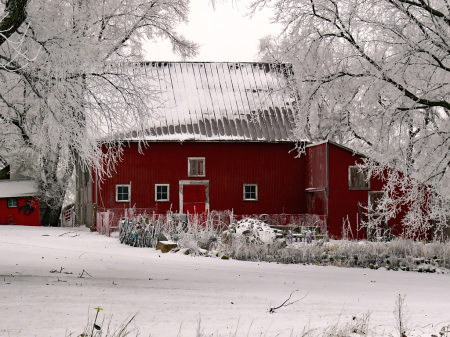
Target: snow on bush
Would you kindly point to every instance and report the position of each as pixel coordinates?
(254, 230)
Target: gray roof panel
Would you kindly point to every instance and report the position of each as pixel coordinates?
(221, 101)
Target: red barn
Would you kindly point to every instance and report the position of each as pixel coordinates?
(226, 143)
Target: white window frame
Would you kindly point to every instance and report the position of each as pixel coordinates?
(350, 187)
(189, 166)
(129, 192)
(156, 192)
(256, 192)
(12, 206)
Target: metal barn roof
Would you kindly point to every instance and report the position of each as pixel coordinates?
(221, 101)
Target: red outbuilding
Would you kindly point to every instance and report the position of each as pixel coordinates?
(18, 203)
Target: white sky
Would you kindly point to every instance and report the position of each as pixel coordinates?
(225, 34)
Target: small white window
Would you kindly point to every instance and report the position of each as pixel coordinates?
(122, 193)
(161, 192)
(251, 192)
(357, 180)
(196, 166)
(12, 202)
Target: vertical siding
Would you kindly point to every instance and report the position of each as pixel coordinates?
(316, 166)
(342, 201)
(229, 165)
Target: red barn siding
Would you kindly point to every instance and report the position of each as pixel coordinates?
(17, 216)
(316, 167)
(229, 165)
(343, 202)
(316, 176)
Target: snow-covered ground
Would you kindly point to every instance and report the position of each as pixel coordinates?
(171, 292)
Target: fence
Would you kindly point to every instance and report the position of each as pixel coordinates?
(68, 218)
(108, 220)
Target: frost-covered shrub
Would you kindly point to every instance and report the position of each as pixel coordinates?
(255, 231)
(399, 254)
(197, 235)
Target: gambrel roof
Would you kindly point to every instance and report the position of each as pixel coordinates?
(222, 101)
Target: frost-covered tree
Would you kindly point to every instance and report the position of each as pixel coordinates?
(373, 74)
(66, 82)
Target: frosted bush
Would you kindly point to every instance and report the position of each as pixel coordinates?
(254, 230)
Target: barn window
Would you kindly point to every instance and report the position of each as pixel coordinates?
(162, 192)
(12, 202)
(196, 167)
(374, 200)
(122, 193)
(251, 192)
(357, 180)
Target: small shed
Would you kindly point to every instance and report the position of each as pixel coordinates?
(18, 203)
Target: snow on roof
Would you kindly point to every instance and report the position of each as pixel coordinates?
(17, 188)
(221, 101)
(3, 163)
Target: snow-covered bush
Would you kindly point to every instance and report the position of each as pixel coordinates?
(198, 235)
(254, 231)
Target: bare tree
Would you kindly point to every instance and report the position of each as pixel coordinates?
(373, 74)
(69, 80)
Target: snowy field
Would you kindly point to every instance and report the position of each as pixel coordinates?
(171, 292)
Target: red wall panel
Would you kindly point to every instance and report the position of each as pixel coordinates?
(316, 166)
(273, 166)
(343, 202)
(25, 214)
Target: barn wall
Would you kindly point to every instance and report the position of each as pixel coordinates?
(316, 177)
(18, 216)
(229, 165)
(316, 166)
(343, 202)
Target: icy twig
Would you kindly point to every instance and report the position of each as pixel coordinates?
(286, 303)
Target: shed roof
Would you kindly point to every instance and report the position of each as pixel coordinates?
(17, 188)
(221, 101)
(338, 145)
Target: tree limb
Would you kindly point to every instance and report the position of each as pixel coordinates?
(15, 15)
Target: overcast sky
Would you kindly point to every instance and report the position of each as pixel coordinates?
(224, 34)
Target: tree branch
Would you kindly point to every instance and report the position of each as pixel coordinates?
(15, 15)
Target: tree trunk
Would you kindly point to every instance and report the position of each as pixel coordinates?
(51, 215)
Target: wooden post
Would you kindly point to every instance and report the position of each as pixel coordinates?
(94, 220)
